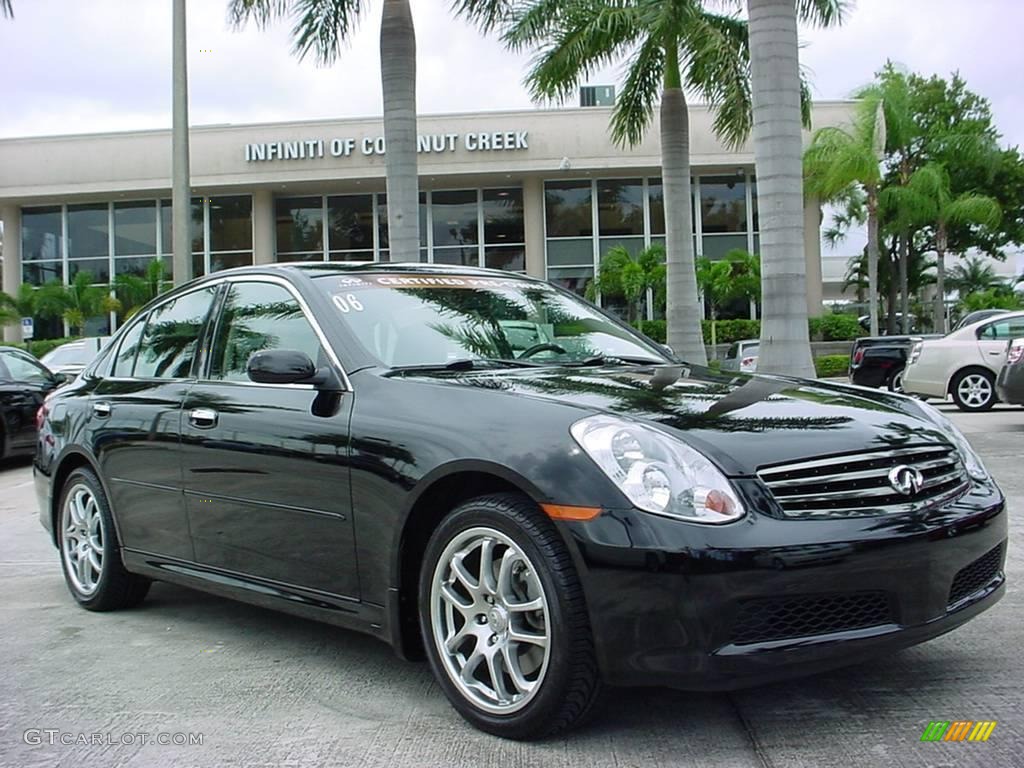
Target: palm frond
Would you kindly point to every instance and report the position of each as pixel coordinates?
(586, 36)
(715, 51)
(6, 9)
(635, 106)
(487, 15)
(823, 13)
(320, 27)
(976, 209)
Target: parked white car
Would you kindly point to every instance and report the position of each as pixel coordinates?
(71, 358)
(742, 356)
(963, 364)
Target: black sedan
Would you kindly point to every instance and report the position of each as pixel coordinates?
(24, 383)
(1010, 384)
(483, 469)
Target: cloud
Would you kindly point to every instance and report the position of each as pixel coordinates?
(105, 64)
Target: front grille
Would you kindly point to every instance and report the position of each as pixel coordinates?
(766, 619)
(976, 576)
(857, 485)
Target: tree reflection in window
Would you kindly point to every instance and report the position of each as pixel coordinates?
(172, 336)
(259, 316)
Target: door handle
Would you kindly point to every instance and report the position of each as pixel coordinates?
(101, 408)
(204, 418)
(995, 353)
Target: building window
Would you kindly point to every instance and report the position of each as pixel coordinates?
(504, 230)
(350, 227)
(569, 225)
(230, 227)
(300, 228)
(42, 257)
(89, 241)
(135, 237)
(456, 226)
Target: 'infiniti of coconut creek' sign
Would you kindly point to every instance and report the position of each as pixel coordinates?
(312, 149)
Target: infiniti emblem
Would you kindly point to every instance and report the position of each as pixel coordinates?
(906, 480)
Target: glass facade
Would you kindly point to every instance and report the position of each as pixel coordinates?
(110, 239)
(470, 227)
(630, 212)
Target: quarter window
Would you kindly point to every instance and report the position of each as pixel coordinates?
(259, 316)
(124, 363)
(171, 338)
(1004, 329)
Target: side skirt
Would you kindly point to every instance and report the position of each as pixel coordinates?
(309, 604)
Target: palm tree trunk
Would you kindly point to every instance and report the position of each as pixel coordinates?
(181, 202)
(873, 258)
(778, 147)
(683, 332)
(904, 267)
(398, 79)
(939, 314)
(891, 299)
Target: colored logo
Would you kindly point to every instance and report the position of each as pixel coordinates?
(958, 730)
(906, 480)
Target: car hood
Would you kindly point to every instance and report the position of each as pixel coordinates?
(741, 421)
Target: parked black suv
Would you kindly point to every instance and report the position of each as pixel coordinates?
(878, 361)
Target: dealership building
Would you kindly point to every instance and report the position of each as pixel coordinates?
(544, 192)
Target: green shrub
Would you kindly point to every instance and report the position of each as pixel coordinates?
(728, 331)
(652, 329)
(829, 366)
(835, 327)
(715, 365)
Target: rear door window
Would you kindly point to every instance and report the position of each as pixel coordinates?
(171, 339)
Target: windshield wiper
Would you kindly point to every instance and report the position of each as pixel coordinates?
(468, 364)
(616, 360)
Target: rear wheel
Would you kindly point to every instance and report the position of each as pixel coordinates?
(974, 390)
(90, 553)
(895, 382)
(503, 620)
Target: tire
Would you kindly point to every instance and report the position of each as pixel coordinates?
(555, 683)
(974, 390)
(90, 554)
(895, 382)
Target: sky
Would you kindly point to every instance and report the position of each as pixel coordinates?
(68, 66)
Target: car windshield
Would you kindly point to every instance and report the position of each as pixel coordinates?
(439, 320)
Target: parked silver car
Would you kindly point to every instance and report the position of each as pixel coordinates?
(71, 358)
(742, 356)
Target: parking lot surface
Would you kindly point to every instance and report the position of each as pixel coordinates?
(260, 688)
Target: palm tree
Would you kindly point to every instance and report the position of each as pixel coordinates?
(778, 143)
(940, 209)
(972, 276)
(76, 303)
(841, 158)
(735, 276)
(13, 308)
(670, 45)
(622, 274)
(133, 292)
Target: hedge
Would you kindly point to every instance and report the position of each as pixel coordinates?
(829, 366)
(825, 328)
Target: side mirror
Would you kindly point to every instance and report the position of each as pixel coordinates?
(289, 366)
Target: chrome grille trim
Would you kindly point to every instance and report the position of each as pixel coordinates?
(857, 485)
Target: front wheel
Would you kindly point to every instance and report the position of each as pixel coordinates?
(504, 622)
(974, 390)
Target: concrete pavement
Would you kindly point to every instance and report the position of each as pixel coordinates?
(265, 689)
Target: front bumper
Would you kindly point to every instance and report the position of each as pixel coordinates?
(1010, 384)
(763, 599)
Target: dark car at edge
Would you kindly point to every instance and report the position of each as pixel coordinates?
(24, 383)
(482, 469)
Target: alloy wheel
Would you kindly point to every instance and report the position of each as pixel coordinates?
(490, 620)
(974, 390)
(82, 537)
(897, 382)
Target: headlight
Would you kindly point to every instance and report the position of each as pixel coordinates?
(658, 474)
(971, 460)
